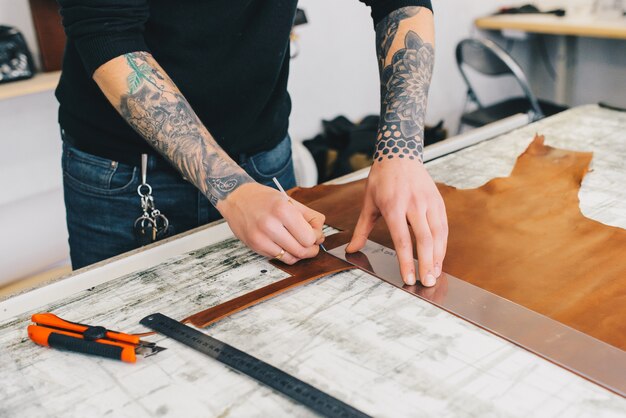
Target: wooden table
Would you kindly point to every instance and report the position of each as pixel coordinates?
(567, 30)
(352, 335)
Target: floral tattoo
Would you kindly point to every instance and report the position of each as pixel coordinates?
(405, 81)
(157, 110)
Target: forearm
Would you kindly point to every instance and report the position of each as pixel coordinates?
(151, 103)
(405, 49)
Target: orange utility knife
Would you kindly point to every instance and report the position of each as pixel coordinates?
(51, 331)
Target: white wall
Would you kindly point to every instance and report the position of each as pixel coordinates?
(336, 71)
(32, 213)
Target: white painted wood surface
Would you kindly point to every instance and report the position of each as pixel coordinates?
(369, 344)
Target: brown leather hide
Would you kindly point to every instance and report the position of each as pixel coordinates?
(524, 238)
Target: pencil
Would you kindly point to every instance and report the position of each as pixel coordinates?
(280, 187)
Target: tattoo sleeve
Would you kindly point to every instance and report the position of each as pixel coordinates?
(158, 111)
(405, 78)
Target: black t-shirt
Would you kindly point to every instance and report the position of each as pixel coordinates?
(230, 59)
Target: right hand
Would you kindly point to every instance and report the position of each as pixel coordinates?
(268, 222)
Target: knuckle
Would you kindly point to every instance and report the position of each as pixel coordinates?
(306, 237)
(318, 220)
(424, 240)
(255, 239)
(386, 202)
(392, 213)
(265, 224)
(291, 261)
(404, 243)
(310, 239)
(300, 253)
(281, 209)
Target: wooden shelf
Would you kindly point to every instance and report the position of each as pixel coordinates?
(574, 26)
(40, 82)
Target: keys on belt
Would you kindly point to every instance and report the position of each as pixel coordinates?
(152, 225)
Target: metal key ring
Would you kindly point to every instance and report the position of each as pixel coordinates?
(146, 194)
(144, 218)
(166, 222)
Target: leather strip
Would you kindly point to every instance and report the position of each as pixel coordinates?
(302, 273)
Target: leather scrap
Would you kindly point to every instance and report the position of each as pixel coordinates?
(302, 273)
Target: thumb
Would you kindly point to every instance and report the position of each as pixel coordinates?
(365, 224)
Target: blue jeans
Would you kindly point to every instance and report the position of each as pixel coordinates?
(102, 203)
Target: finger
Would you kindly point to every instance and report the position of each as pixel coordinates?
(399, 230)
(277, 232)
(266, 247)
(445, 229)
(285, 258)
(424, 241)
(365, 224)
(438, 233)
(314, 218)
(295, 222)
(320, 240)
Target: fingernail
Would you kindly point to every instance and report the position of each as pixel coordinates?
(429, 281)
(437, 270)
(410, 279)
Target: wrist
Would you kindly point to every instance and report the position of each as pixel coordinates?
(219, 189)
(393, 144)
(232, 199)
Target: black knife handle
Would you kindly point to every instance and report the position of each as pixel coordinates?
(78, 345)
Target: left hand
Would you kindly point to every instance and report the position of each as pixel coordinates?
(405, 195)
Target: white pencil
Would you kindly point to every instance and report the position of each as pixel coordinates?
(280, 187)
(276, 182)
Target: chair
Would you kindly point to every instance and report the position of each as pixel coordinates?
(486, 57)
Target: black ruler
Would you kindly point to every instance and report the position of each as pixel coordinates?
(288, 385)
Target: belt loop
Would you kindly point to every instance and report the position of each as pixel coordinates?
(151, 161)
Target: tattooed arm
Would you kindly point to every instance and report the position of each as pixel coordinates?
(405, 73)
(155, 108)
(260, 216)
(399, 187)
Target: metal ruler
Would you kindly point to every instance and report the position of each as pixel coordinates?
(503, 318)
(264, 373)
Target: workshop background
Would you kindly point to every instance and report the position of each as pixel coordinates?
(334, 74)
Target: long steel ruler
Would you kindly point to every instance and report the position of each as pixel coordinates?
(573, 350)
(284, 383)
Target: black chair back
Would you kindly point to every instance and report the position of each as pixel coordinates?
(487, 58)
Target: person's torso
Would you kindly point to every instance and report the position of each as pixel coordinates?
(230, 59)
